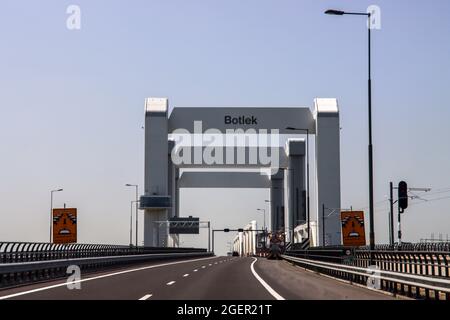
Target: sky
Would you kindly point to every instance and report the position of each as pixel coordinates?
(72, 101)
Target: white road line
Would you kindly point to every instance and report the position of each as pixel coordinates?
(170, 283)
(146, 297)
(195, 270)
(210, 264)
(97, 277)
(265, 285)
(203, 267)
(186, 275)
(215, 262)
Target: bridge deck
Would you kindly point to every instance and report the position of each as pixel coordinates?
(202, 279)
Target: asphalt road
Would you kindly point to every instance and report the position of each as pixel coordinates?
(218, 278)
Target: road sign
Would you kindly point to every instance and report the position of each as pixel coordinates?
(353, 233)
(188, 225)
(65, 225)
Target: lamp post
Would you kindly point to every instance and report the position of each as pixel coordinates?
(136, 230)
(371, 206)
(51, 211)
(131, 218)
(307, 174)
(264, 213)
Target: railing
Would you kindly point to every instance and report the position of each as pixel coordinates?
(11, 252)
(24, 262)
(420, 271)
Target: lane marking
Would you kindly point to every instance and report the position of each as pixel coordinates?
(170, 283)
(186, 275)
(210, 264)
(265, 285)
(99, 277)
(203, 267)
(146, 297)
(195, 270)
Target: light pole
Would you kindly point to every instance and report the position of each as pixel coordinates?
(136, 230)
(270, 212)
(51, 211)
(264, 213)
(307, 174)
(131, 219)
(371, 207)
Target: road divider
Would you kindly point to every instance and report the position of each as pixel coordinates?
(19, 273)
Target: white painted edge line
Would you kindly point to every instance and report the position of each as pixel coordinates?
(146, 297)
(381, 277)
(170, 283)
(265, 285)
(98, 277)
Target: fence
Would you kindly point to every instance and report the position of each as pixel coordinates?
(25, 262)
(420, 271)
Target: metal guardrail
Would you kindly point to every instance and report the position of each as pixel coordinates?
(353, 274)
(11, 252)
(430, 246)
(418, 273)
(24, 263)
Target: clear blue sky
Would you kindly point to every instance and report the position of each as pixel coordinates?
(71, 102)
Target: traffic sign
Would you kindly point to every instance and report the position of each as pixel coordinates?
(64, 225)
(353, 233)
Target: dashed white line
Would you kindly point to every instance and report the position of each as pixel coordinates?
(203, 267)
(146, 297)
(210, 264)
(195, 270)
(170, 283)
(98, 277)
(186, 275)
(265, 285)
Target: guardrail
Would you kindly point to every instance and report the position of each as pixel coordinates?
(418, 273)
(23, 262)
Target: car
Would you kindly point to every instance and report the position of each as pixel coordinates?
(235, 254)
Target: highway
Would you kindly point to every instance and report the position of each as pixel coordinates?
(214, 278)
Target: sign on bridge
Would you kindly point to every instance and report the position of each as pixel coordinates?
(353, 233)
(187, 225)
(65, 225)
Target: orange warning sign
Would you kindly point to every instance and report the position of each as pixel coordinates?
(353, 233)
(65, 225)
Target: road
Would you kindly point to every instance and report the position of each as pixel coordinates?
(216, 278)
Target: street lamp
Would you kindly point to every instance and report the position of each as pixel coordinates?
(51, 211)
(371, 207)
(307, 173)
(264, 213)
(131, 219)
(136, 230)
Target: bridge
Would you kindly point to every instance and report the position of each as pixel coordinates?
(300, 255)
(49, 271)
